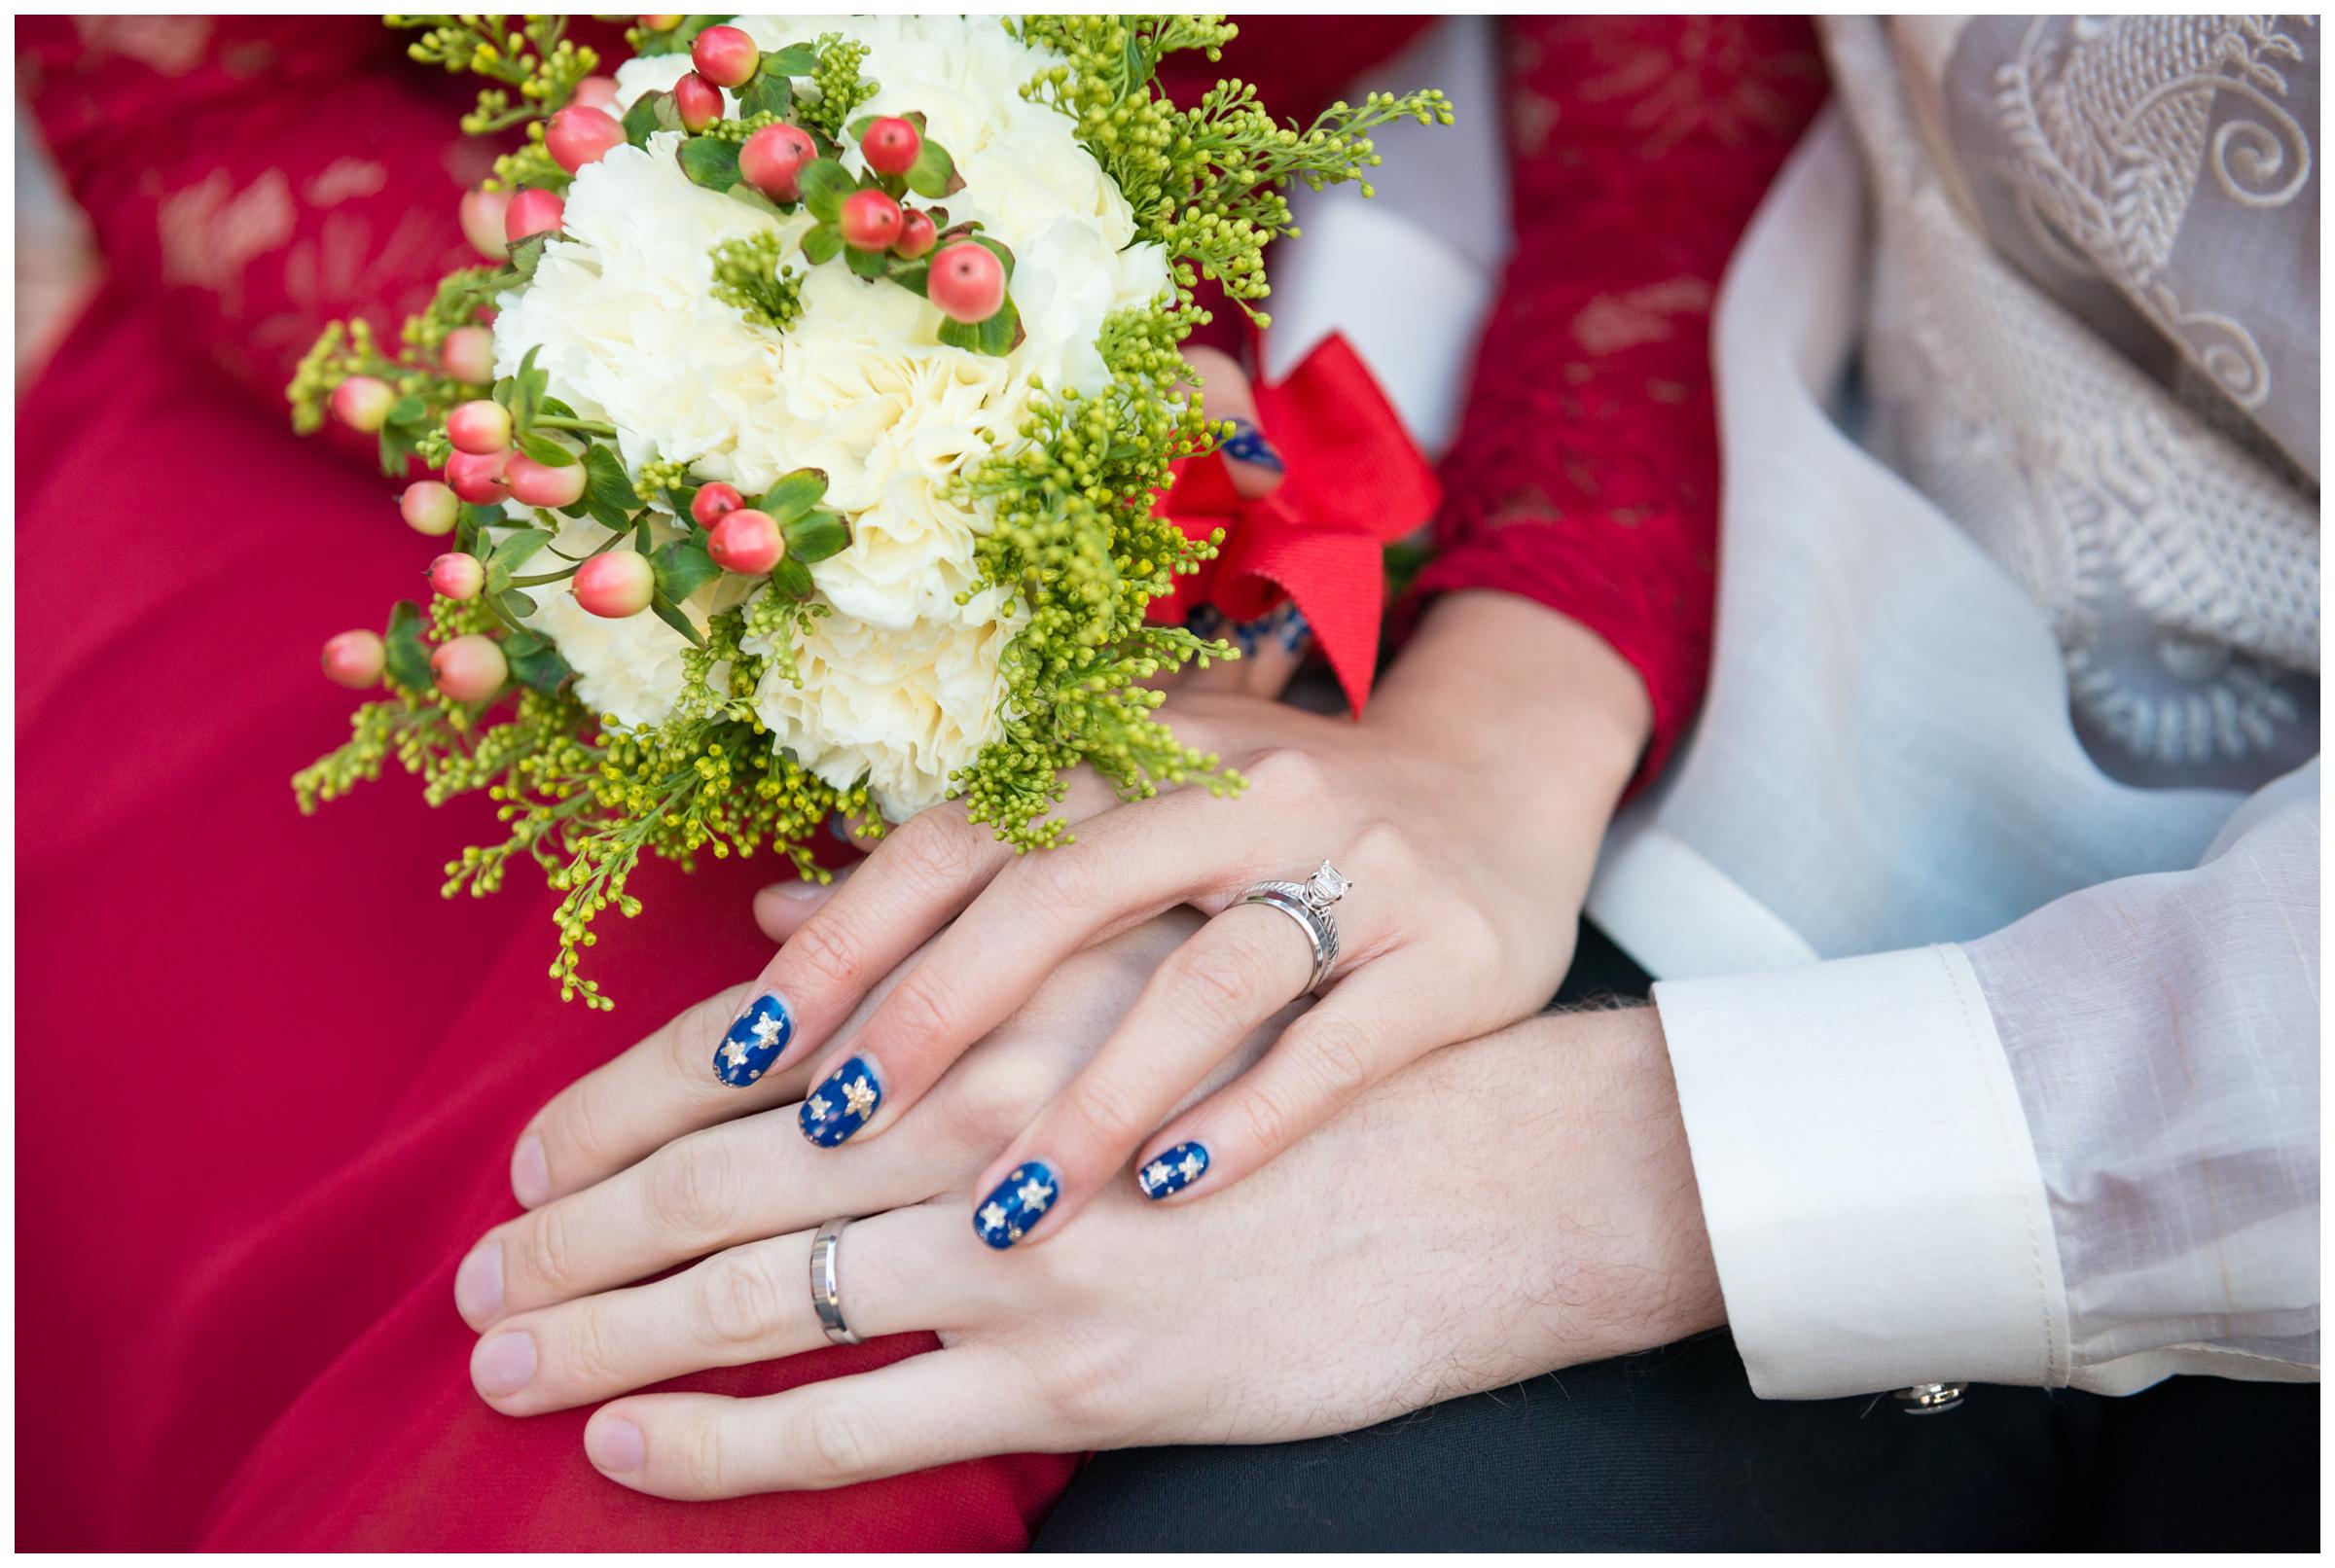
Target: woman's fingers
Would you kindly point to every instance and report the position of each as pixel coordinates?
(703, 1192)
(1213, 993)
(1376, 1020)
(750, 1303)
(1251, 460)
(1128, 866)
(927, 1410)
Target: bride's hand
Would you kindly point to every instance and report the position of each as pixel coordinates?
(1384, 1265)
(1466, 808)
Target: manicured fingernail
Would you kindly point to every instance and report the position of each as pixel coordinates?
(1247, 445)
(754, 1041)
(530, 1175)
(1019, 1203)
(479, 1283)
(842, 1104)
(504, 1363)
(1173, 1171)
(615, 1446)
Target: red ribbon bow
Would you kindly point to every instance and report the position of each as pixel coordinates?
(1355, 482)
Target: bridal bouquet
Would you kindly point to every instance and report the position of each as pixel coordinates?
(798, 450)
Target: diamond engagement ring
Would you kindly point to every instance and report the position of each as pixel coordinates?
(826, 1283)
(1308, 903)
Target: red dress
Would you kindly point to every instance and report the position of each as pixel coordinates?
(267, 1079)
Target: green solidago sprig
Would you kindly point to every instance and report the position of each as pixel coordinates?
(750, 275)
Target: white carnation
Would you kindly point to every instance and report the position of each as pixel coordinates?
(900, 682)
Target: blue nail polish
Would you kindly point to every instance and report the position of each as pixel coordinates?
(756, 1040)
(1173, 1171)
(1247, 445)
(1021, 1202)
(842, 1105)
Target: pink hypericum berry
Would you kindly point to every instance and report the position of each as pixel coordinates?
(355, 660)
(870, 220)
(772, 159)
(468, 355)
(967, 281)
(482, 213)
(891, 145)
(470, 670)
(746, 542)
(363, 403)
(539, 484)
(458, 575)
(917, 235)
(580, 134)
(478, 477)
(715, 501)
(698, 103)
(725, 57)
(661, 24)
(596, 93)
(482, 425)
(532, 212)
(429, 508)
(616, 583)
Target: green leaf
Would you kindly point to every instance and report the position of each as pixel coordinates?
(471, 522)
(408, 659)
(547, 452)
(640, 120)
(608, 493)
(535, 661)
(791, 578)
(406, 410)
(912, 276)
(682, 568)
(673, 617)
(517, 605)
(821, 242)
(793, 495)
(994, 336)
(933, 174)
(824, 183)
(711, 163)
(526, 253)
(868, 264)
(678, 39)
(742, 192)
(795, 59)
(815, 536)
(996, 248)
(517, 549)
(769, 92)
(859, 128)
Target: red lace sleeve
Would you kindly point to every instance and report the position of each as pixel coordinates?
(257, 176)
(1585, 470)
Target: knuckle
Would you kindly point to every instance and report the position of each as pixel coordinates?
(1220, 981)
(938, 849)
(738, 1299)
(919, 1008)
(690, 1187)
(995, 1095)
(583, 1121)
(698, 1457)
(1288, 775)
(687, 1040)
(1107, 1113)
(586, 1350)
(1087, 1385)
(1263, 1117)
(1391, 852)
(824, 952)
(549, 1248)
(1338, 1055)
(836, 1442)
(1069, 880)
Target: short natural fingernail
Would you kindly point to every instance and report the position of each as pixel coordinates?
(1173, 1171)
(802, 887)
(756, 1040)
(615, 1446)
(479, 1283)
(1247, 445)
(841, 1104)
(504, 1363)
(531, 1173)
(1017, 1203)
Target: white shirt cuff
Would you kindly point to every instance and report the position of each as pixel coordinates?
(1874, 1203)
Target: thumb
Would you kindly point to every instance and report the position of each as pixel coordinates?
(1250, 458)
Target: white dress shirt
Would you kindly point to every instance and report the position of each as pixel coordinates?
(1995, 1066)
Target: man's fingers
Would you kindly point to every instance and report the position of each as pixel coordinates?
(1376, 1020)
(781, 908)
(931, 1409)
(750, 1303)
(1209, 995)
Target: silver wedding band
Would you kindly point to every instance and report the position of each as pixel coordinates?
(826, 1283)
(1308, 903)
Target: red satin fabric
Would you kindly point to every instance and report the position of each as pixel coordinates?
(268, 1081)
(1355, 482)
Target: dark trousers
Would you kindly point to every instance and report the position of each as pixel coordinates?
(1669, 1450)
